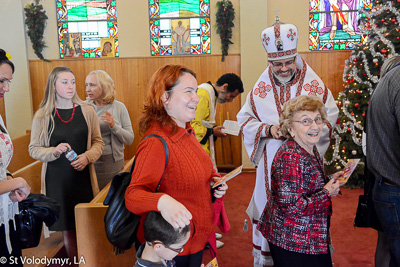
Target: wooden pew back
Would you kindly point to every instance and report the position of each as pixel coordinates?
(93, 244)
(21, 156)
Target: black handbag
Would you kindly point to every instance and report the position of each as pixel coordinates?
(366, 215)
(33, 211)
(121, 225)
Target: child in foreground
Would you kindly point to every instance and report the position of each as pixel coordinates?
(163, 242)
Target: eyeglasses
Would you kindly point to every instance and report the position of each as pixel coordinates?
(281, 64)
(5, 81)
(176, 250)
(309, 121)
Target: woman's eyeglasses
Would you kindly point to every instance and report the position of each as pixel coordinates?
(309, 121)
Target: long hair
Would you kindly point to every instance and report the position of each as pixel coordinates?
(46, 108)
(106, 84)
(163, 80)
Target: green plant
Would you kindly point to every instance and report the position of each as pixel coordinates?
(225, 16)
(36, 21)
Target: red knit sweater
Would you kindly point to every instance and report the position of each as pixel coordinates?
(186, 179)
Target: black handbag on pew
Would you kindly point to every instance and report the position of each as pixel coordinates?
(121, 225)
(33, 211)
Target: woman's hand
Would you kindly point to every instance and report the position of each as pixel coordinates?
(80, 162)
(220, 191)
(61, 148)
(173, 211)
(21, 192)
(108, 118)
(338, 175)
(333, 187)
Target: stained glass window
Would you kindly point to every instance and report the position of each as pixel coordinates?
(179, 27)
(87, 28)
(335, 24)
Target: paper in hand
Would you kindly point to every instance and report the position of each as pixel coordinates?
(212, 263)
(228, 176)
(348, 170)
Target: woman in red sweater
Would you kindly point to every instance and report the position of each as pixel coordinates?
(184, 195)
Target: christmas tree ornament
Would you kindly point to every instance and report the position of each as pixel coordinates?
(360, 78)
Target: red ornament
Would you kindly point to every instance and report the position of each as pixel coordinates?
(393, 20)
(344, 148)
(356, 105)
(338, 121)
(368, 103)
(352, 114)
(348, 130)
(363, 114)
(383, 51)
(355, 59)
(358, 91)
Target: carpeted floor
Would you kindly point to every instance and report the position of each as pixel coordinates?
(354, 247)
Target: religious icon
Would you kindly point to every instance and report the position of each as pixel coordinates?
(72, 44)
(180, 30)
(107, 47)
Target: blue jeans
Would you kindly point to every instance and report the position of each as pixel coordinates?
(387, 205)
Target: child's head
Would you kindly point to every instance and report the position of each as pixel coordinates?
(167, 242)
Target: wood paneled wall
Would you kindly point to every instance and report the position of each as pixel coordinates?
(131, 77)
(329, 65)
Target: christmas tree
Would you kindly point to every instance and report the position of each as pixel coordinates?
(361, 75)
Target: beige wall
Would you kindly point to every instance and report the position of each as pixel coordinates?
(133, 30)
(291, 11)
(18, 102)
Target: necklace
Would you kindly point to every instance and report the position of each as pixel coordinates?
(72, 116)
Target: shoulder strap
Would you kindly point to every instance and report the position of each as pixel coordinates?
(166, 155)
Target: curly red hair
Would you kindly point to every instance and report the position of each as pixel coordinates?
(163, 80)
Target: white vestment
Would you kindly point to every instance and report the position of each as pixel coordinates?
(262, 109)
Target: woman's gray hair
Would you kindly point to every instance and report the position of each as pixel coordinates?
(299, 103)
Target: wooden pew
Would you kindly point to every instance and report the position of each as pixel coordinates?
(48, 247)
(21, 156)
(93, 245)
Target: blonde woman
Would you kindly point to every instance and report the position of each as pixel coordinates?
(115, 125)
(64, 122)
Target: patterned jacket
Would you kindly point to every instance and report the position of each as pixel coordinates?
(296, 215)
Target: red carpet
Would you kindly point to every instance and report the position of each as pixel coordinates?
(354, 247)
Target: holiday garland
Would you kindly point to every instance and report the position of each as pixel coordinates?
(361, 76)
(225, 16)
(35, 21)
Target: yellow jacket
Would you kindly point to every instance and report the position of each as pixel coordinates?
(202, 113)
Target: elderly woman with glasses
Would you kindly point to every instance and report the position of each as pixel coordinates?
(297, 215)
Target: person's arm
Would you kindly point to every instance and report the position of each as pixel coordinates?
(18, 188)
(291, 181)
(140, 196)
(255, 133)
(97, 144)
(37, 150)
(202, 113)
(123, 126)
